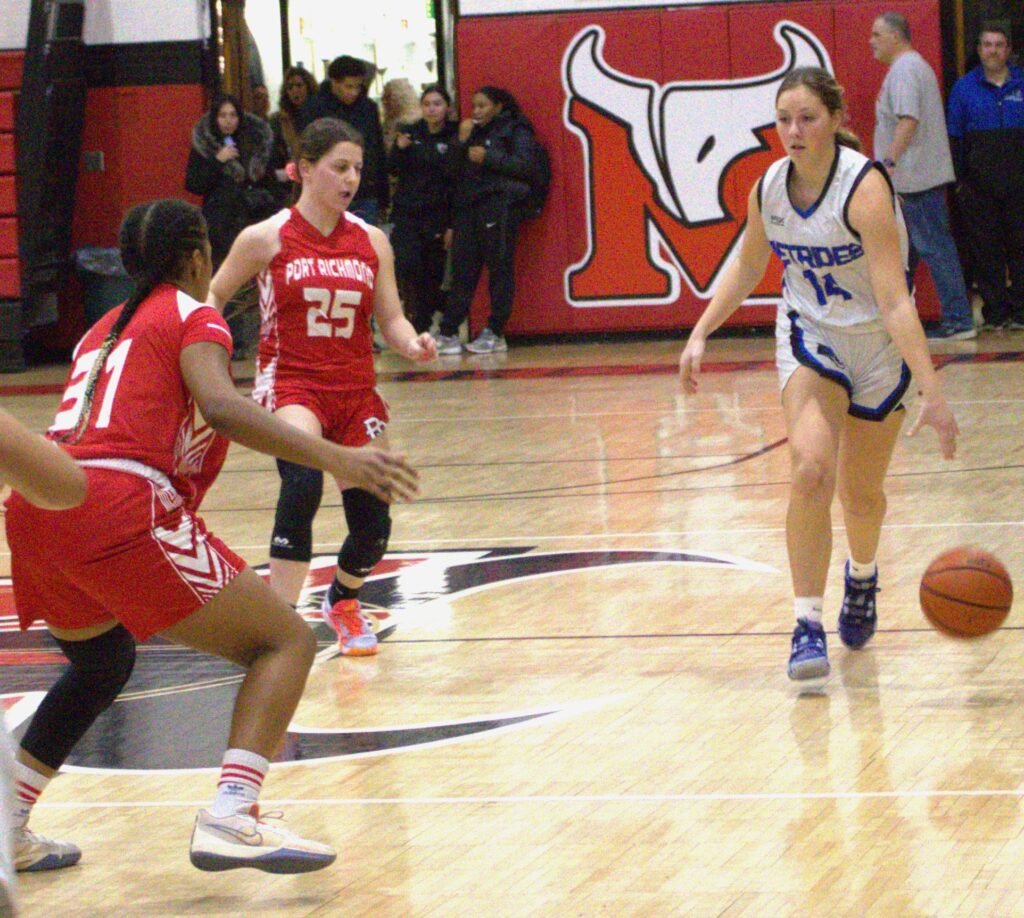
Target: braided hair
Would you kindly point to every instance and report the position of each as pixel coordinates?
(156, 239)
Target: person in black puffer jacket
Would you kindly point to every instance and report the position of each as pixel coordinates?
(490, 164)
(227, 167)
(421, 207)
(343, 95)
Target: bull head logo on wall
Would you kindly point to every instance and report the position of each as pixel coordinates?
(657, 159)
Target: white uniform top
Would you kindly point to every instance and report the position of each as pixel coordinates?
(826, 277)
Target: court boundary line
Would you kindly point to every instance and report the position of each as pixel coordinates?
(628, 799)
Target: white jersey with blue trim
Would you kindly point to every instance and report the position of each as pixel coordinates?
(826, 276)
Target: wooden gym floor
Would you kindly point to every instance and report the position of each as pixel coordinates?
(584, 708)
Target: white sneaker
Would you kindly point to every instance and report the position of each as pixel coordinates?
(448, 344)
(37, 852)
(227, 842)
(487, 342)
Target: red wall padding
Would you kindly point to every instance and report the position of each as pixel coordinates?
(145, 133)
(8, 202)
(8, 237)
(10, 69)
(663, 45)
(10, 279)
(10, 80)
(6, 154)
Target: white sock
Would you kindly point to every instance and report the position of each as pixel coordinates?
(241, 779)
(863, 571)
(809, 607)
(28, 785)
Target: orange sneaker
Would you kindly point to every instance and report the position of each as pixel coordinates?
(355, 636)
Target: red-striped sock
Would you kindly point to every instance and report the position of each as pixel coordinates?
(28, 785)
(241, 778)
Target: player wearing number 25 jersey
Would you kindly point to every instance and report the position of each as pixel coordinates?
(322, 274)
(316, 344)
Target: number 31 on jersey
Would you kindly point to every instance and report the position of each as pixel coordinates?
(331, 317)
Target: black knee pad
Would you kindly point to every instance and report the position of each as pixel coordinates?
(369, 528)
(301, 491)
(98, 670)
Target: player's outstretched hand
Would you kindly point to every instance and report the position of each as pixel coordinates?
(385, 475)
(689, 364)
(423, 349)
(936, 413)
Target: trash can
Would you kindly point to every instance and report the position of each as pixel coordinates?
(105, 282)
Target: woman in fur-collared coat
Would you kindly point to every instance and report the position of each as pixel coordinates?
(227, 166)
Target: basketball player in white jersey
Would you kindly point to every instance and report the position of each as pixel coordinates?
(848, 339)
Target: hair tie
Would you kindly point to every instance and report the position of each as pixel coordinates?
(293, 173)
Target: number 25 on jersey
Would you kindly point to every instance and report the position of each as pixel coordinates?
(331, 317)
(75, 392)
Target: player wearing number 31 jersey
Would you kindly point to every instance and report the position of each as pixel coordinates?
(322, 274)
(135, 559)
(847, 339)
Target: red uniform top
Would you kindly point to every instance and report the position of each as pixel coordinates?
(141, 409)
(316, 300)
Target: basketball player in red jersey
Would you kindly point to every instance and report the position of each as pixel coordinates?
(47, 477)
(322, 273)
(135, 560)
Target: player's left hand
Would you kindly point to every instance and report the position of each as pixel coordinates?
(476, 154)
(936, 413)
(423, 349)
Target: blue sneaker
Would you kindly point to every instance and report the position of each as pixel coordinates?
(809, 657)
(857, 620)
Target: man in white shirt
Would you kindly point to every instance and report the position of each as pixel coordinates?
(911, 142)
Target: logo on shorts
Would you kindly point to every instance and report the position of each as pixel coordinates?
(374, 427)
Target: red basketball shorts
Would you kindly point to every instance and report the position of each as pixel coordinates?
(131, 552)
(349, 418)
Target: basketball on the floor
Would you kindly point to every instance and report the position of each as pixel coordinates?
(966, 592)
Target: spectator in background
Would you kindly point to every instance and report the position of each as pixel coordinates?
(986, 134)
(261, 101)
(400, 107)
(296, 89)
(229, 157)
(343, 95)
(227, 166)
(491, 163)
(911, 142)
(421, 206)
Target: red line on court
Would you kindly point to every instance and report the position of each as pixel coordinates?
(553, 372)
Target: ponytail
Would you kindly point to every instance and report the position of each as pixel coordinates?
(155, 238)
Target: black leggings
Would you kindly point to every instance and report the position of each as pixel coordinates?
(420, 258)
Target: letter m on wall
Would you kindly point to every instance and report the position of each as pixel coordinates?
(657, 160)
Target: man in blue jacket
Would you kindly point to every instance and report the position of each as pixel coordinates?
(985, 120)
(343, 95)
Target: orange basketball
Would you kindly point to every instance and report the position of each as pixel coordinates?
(966, 592)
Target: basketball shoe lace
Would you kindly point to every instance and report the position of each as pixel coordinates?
(858, 617)
(355, 631)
